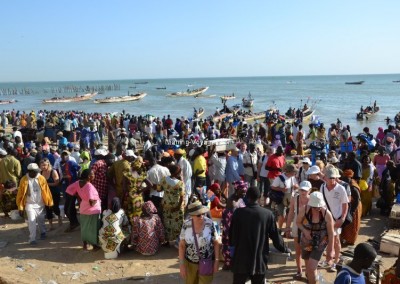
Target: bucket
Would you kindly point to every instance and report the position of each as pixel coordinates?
(14, 215)
(111, 255)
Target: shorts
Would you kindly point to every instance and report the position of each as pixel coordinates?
(313, 254)
(284, 205)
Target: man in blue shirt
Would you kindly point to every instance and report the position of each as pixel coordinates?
(364, 255)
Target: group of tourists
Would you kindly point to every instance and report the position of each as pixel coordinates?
(157, 182)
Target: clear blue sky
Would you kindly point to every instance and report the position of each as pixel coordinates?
(84, 40)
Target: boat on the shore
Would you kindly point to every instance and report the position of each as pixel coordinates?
(5, 102)
(355, 83)
(248, 102)
(189, 93)
(77, 98)
(120, 99)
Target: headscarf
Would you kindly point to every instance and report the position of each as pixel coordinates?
(137, 164)
(115, 205)
(148, 208)
(240, 185)
(348, 173)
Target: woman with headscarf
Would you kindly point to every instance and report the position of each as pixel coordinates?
(350, 232)
(90, 208)
(234, 201)
(367, 176)
(147, 231)
(380, 161)
(132, 185)
(172, 204)
(115, 229)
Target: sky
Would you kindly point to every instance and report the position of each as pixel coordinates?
(108, 40)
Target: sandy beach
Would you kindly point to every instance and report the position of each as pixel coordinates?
(60, 259)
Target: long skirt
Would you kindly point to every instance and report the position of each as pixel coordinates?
(366, 200)
(90, 225)
(173, 222)
(350, 232)
(226, 224)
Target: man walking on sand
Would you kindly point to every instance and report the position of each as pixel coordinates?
(249, 234)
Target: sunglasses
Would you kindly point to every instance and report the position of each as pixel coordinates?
(199, 215)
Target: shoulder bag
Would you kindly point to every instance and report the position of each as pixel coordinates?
(349, 217)
(206, 266)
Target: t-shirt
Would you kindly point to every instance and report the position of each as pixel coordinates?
(200, 164)
(86, 193)
(335, 198)
(263, 160)
(289, 183)
(347, 275)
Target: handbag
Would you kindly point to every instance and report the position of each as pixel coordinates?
(277, 196)
(206, 265)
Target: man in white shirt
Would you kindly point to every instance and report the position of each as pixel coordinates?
(250, 165)
(306, 164)
(263, 180)
(337, 202)
(155, 175)
(286, 183)
(186, 171)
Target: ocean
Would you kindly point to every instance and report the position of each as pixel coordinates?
(330, 95)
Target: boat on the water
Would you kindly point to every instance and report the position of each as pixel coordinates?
(355, 83)
(224, 99)
(128, 98)
(137, 83)
(5, 102)
(397, 81)
(248, 102)
(189, 92)
(197, 113)
(161, 88)
(77, 98)
(367, 111)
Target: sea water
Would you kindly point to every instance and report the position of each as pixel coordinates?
(330, 95)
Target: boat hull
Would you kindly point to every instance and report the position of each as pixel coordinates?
(189, 94)
(121, 99)
(84, 97)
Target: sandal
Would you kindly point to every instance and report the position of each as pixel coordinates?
(298, 276)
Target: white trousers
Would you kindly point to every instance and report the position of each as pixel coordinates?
(35, 215)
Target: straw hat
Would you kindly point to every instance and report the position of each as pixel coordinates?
(179, 151)
(332, 172)
(316, 200)
(196, 208)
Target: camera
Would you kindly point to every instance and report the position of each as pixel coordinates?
(315, 241)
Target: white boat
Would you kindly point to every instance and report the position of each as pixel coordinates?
(5, 102)
(248, 102)
(128, 98)
(227, 98)
(77, 98)
(189, 93)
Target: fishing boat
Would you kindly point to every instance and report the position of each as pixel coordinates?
(198, 113)
(77, 98)
(248, 102)
(189, 93)
(161, 88)
(143, 83)
(224, 99)
(367, 111)
(397, 81)
(5, 102)
(355, 83)
(121, 99)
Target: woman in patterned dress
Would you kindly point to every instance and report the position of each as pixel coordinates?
(8, 194)
(147, 231)
(173, 205)
(132, 189)
(115, 229)
(234, 201)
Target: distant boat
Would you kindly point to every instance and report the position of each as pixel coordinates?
(248, 102)
(132, 87)
(128, 98)
(188, 93)
(227, 98)
(141, 83)
(4, 102)
(397, 81)
(355, 83)
(161, 88)
(77, 98)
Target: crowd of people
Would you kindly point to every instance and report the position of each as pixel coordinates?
(157, 182)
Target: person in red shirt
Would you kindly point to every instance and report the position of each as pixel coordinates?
(275, 164)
